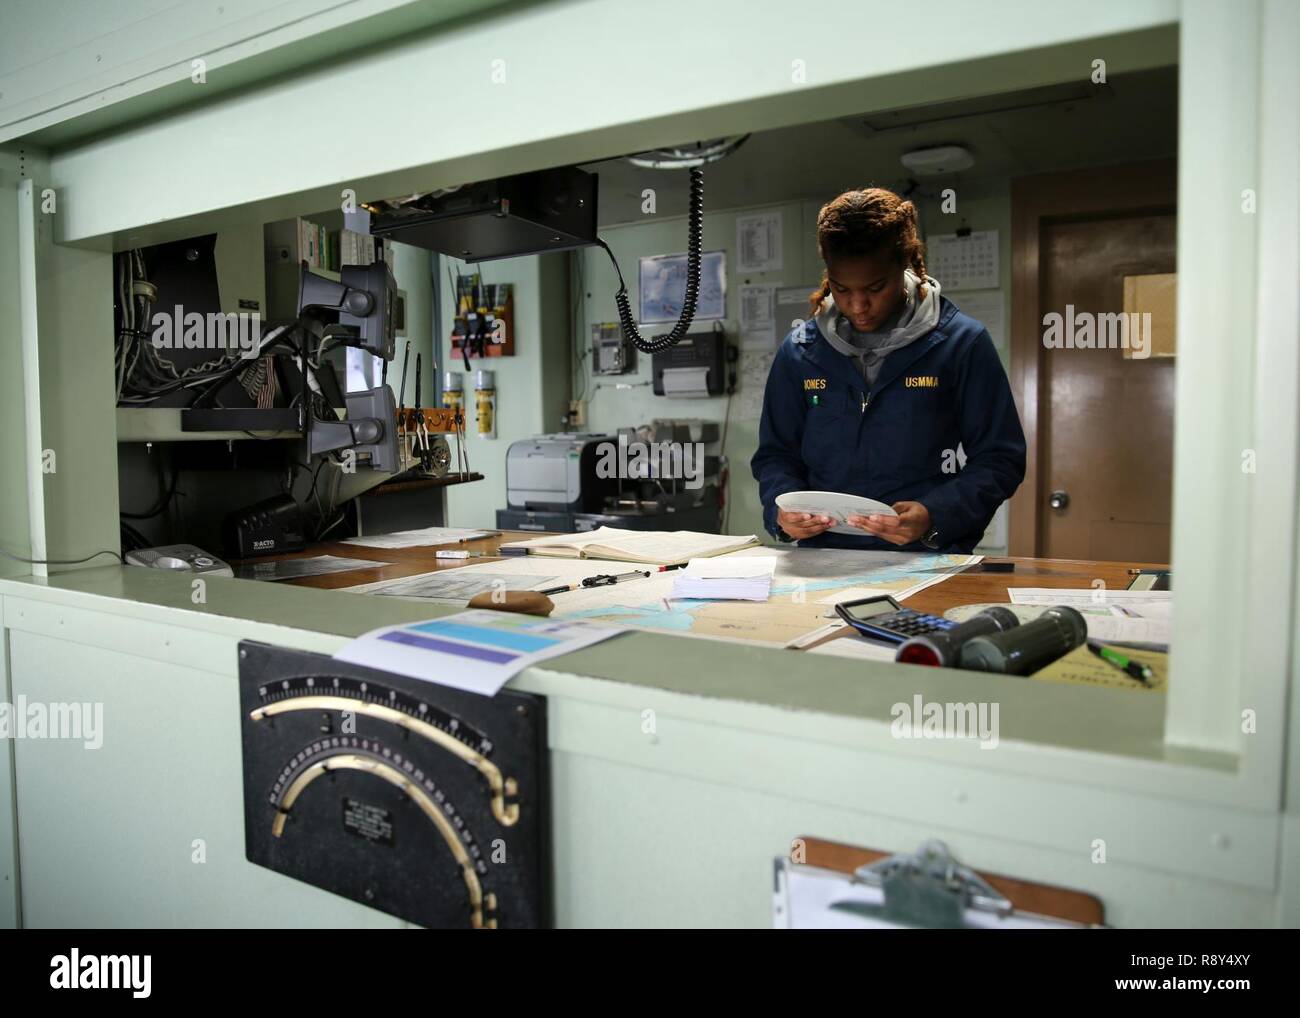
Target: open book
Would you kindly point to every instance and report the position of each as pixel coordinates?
(662, 547)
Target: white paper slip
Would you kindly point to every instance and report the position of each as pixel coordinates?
(419, 538)
(745, 578)
(857, 647)
(813, 635)
(739, 567)
(1089, 597)
(835, 504)
(477, 651)
(1114, 629)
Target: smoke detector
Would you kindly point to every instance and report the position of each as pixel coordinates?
(935, 162)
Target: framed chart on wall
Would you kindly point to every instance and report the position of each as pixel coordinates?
(662, 282)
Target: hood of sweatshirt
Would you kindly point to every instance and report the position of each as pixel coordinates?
(868, 350)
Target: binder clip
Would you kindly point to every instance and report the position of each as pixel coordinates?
(929, 889)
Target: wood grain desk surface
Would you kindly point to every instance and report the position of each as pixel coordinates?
(969, 587)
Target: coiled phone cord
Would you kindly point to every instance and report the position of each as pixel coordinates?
(695, 230)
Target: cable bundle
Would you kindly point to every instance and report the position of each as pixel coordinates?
(695, 231)
(144, 375)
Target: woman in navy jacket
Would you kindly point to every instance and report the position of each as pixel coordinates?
(875, 393)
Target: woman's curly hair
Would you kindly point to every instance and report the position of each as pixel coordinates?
(872, 221)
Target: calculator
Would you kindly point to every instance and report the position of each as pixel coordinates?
(883, 618)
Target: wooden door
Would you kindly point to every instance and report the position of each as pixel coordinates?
(1107, 421)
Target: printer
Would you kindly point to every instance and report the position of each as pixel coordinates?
(552, 478)
(553, 483)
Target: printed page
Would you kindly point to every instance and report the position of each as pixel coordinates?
(1089, 597)
(573, 542)
(477, 651)
(668, 547)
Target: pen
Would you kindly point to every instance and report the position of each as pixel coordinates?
(460, 554)
(675, 565)
(1126, 665)
(603, 580)
(607, 579)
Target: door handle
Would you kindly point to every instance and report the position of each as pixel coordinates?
(1058, 500)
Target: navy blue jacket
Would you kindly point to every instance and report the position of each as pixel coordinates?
(823, 430)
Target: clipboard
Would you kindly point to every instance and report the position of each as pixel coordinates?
(843, 887)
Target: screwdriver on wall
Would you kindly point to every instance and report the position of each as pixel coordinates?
(401, 396)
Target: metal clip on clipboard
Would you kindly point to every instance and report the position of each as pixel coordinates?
(928, 889)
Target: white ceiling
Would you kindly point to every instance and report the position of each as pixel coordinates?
(1132, 118)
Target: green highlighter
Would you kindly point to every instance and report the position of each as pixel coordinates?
(1127, 665)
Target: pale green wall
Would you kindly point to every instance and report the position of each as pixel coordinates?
(9, 878)
(72, 67)
(14, 536)
(412, 271)
(531, 385)
(183, 861)
(69, 454)
(752, 747)
(658, 86)
(609, 409)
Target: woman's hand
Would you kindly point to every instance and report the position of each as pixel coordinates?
(911, 524)
(801, 525)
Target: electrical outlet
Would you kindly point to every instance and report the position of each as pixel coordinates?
(578, 413)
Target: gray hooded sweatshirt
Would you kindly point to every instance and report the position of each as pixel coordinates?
(868, 350)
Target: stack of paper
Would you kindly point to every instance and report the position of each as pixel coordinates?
(728, 579)
(1115, 616)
